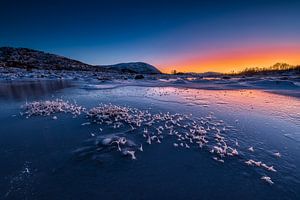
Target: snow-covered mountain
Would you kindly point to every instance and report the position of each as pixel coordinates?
(33, 59)
(134, 67)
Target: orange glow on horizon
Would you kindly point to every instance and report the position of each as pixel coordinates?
(234, 60)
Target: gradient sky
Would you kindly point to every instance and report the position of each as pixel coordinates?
(220, 35)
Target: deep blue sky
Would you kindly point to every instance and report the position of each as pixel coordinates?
(158, 32)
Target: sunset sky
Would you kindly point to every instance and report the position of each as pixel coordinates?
(185, 35)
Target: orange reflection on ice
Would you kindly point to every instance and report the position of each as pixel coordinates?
(239, 100)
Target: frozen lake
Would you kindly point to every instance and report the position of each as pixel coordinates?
(64, 157)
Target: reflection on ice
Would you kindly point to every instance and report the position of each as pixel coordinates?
(251, 100)
(24, 89)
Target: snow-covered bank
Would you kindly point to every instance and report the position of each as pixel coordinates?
(286, 85)
(270, 84)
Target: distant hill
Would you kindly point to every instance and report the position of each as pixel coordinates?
(33, 59)
(134, 67)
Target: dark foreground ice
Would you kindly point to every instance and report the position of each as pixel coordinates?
(139, 140)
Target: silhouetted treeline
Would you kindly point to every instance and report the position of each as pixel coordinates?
(277, 68)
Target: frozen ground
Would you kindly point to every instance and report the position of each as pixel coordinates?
(283, 84)
(85, 136)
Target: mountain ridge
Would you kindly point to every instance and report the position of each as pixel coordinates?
(141, 67)
(34, 59)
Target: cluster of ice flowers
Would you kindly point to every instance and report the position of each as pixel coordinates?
(188, 132)
(46, 108)
(117, 115)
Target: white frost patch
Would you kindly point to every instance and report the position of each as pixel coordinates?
(46, 108)
(117, 115)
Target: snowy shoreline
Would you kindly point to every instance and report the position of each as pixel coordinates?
(280, 84)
